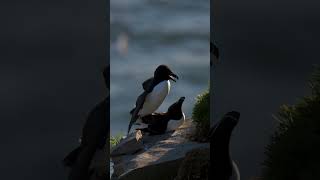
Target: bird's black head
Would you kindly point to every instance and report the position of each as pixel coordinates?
(163, 72)
(224, 128)
(175, 111)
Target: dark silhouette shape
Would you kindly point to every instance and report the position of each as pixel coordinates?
(162, 73)
(220, 133)
(215, 51)
(71, 158)
(94, 136)
(106, 76)
(158, 122)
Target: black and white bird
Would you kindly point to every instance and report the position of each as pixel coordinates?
(155, 91)
(159, 123)
(222, 166)
(94, 136)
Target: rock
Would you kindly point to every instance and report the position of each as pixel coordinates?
(129, 145)
(195, 165)
(160, 158)
(161, 171)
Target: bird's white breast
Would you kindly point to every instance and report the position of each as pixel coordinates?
(175, 124)
(155, 98)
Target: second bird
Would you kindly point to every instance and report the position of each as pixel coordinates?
(159, 123)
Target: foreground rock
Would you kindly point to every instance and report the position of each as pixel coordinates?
(130, 145)
(158, 158)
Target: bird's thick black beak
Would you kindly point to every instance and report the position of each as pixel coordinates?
(173, 77)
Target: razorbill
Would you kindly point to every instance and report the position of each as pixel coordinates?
(159, 123)
(94, 136)
(223, 167)
(155, 91)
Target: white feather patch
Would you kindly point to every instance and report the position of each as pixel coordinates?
(155, 98)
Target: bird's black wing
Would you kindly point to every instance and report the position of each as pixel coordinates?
(148, 87)
(139, 105)
(147, 84)
(94, 136)
(152, 118)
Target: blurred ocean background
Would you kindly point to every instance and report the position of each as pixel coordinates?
(147, 33)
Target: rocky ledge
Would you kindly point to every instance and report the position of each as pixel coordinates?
(156, 157)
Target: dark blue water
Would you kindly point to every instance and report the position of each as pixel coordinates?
(147, 33)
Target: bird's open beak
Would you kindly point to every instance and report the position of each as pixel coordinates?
(173, 77)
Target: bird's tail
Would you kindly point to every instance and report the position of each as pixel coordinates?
(132, 121)
(71, 158)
